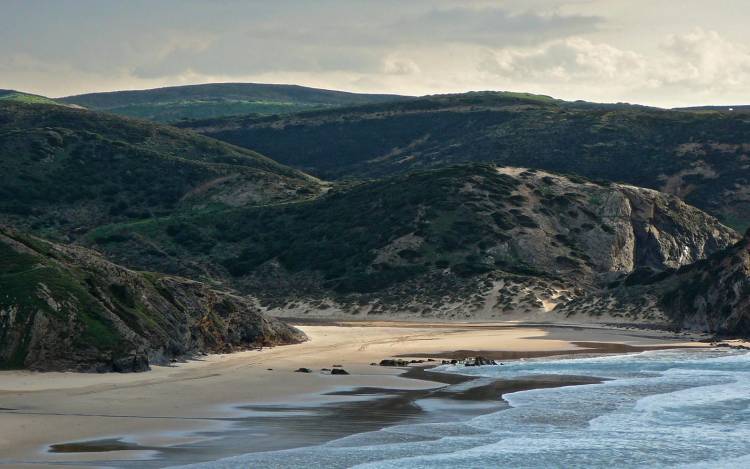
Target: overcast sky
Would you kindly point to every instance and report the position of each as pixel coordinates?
(658, 52)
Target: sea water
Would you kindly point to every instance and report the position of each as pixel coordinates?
(670, 408)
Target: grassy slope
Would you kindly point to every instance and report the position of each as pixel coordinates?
(172, 104)
(700, 156)
(19, 97)
(64, 169)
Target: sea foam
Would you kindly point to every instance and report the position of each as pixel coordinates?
(671, 408)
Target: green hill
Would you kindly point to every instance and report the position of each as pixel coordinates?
(19, 97)
(422, 238)
(64, 170)
(176, 103)
(699, 156)
(66, 308)
(737, 108)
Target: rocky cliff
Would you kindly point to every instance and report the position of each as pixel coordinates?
(711, 295)
(67, 308)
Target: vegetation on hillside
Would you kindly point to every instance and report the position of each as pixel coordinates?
(19, 97)
(66, 170)
(177, 103)
(703, 157)
(461, 221)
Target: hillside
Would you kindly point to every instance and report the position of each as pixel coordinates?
(66, 308)
(737, 108)
(64, 171)
(19, 97)
(711, 295)
(702, 157)
(437, 243)
(176, 103)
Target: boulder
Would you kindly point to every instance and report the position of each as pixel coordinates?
(482, 361)
(394, 362)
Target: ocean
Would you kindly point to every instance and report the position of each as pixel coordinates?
(657, 409)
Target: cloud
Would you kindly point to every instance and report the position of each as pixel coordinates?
(565, 60)
(231, 38)
(588, 49)
(489, 26)
(703, 59)
(395, 65)
(700, 62)
(358, 43)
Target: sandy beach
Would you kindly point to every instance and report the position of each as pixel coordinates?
(168, 405)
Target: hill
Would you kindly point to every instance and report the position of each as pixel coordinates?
(64, 170)
(702, 157)
(467, 241)
(19, 97)
(737, 108)
(176, 103)
(66, 308)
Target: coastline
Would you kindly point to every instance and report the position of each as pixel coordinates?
(176, 405)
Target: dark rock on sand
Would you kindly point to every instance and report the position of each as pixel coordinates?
(394, 362)
(339, 371)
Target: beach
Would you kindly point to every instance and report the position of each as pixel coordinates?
(135, 415)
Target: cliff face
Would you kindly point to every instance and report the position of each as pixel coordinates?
(668, 233)
(66, 308)
(712, 295)
(607, 228)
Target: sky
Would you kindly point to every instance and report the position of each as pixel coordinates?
(658, 52)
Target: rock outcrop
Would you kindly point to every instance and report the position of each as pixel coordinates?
(67, 308)
(710, 296)
(713, 294)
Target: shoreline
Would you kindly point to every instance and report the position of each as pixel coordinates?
(180, 405)
(342, 413)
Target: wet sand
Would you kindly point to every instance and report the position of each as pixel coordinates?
(181, 411)
(342, 413)
(584, 348)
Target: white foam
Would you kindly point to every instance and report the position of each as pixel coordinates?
(662, 409)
